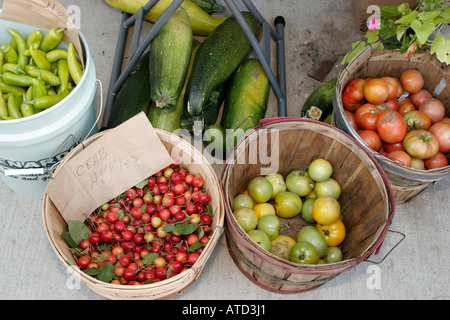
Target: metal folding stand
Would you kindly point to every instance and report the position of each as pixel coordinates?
(138, 48)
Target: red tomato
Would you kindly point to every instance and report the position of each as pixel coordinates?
(441, 130)
(412, 81)
(400, 157)
(351, 119)
(407, 99)
(353, 94)
(376, 91)
(391, 126)
(438, 161)
(420, 97)
(421, 144)
(405, 108)
(416, 120)
(366, 115)
(391, 104)
(392, 86)
(434, 109)
(399, 88)
(371, 138)
(389, 147)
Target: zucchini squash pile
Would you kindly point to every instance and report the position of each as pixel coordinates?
(182, 82)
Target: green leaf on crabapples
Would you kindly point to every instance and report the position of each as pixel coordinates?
(142, 184)
(196, 245)
(149, 258)
(66, 236)
(78, 230)
(183, 229)
(92, 271)
(106, 272)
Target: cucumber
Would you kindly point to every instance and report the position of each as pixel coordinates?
(319, 105)
(170, 119)
(170, 52)
(134, 96)
(247, 97)
(217, 58)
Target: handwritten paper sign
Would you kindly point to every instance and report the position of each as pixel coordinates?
(121, 158)
(45, 15)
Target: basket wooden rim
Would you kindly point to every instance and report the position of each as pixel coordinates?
(370, 53)
(291, 266)
(167, 287)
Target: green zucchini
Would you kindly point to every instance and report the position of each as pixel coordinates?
(170, 52)
(245, 105)
(169, 119)
(209, 6)
(217, 58)
(319, 105)
(134, 96)
(247, 97)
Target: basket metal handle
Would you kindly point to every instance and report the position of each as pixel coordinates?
(390, 250)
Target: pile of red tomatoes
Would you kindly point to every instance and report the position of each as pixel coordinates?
(400, 119)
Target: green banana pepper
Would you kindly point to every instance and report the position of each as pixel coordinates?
(52, 39)
(9, 54)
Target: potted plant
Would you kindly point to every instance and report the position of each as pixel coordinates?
(424, 28)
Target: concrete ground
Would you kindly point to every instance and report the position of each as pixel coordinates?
(416, 269)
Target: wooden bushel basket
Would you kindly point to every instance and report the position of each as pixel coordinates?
(406, 182)
(366, 199)
(170, 288)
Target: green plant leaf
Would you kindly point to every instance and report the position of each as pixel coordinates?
(356, 48)
(428, 16)
(78, 230)
(92, 271)
(441, 47)
(407, 19)
(106, 272)
(423, 31)
(389, 11)
(445, 13)
(371, 36)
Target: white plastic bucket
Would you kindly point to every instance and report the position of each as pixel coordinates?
(31, 147)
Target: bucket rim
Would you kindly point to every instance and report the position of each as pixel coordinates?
(342, 265)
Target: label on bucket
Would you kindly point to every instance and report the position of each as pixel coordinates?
(32, 169)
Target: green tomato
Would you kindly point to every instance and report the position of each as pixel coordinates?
(313, 236)
(329, 187)
(277, 182)
(299, 182)
(260, 189)
(261, 238)
(307, 210)
(242, 201)
(270, 224)
(288, 204)
(303, 252)
(246, 218)
(334, 254)
(320, 170)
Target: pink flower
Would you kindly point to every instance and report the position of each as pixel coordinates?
(374, 24)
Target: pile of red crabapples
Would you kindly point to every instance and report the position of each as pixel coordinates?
(152, 231)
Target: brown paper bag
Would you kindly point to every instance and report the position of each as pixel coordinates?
(115, 162)
(45, 15)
